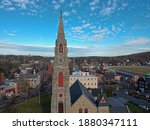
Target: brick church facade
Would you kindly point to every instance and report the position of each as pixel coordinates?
(72, 99)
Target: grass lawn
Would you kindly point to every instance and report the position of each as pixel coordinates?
(32, 106)
(135, 109)
(135, 69)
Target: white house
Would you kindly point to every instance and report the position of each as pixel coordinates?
(89, 81)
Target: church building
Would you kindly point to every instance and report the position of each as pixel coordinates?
(75, 98)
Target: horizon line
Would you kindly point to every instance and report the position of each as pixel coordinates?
(74, 56)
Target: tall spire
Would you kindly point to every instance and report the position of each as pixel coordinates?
(60, 101)
(61, 34)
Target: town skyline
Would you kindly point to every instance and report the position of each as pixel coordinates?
(102, 28)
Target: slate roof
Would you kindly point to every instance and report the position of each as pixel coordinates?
(94, 91)
(147, 79)
(77, 89)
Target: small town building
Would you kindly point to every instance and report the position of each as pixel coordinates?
(82, 101)
(143, 84)
(127, 78)
(7, 90)
(89, 81)
(33, 80)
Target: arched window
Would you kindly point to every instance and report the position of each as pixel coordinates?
(85, 110)
(80, 110)
(60, 107)
(60, 48)
(60, 79)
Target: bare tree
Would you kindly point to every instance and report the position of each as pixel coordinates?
(25, 87)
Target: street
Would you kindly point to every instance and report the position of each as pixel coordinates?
(140, 102)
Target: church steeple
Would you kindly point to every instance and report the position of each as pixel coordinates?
(60, 79)
(61, 34)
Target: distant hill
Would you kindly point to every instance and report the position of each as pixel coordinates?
(139, 58)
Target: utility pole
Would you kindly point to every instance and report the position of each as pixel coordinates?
(27, 89)
(39, 94)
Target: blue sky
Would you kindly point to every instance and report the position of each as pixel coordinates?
(92, 27)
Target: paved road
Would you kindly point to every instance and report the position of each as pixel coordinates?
(134, 100)
(5, 102)
(117, 101)
(117, 105)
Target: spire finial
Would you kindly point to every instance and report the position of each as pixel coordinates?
(61, 13)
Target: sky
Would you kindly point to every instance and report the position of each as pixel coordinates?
(92, 27)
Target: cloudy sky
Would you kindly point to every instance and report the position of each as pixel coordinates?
(92, 27)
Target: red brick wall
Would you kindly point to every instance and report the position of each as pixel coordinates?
(1, 78)
(50, 69)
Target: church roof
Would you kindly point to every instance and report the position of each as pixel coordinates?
(78, 89)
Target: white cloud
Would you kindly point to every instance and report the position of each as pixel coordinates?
(94, 5)
(65, 21)
(109, 2)
(92, 27)
(10, 9)
(54, 2)
(77, 1)
(74, 11)
(112, 6)
(29, 6)
(140, 26)
(88, 32)
(116, 29)
(71, 4)
(83, 21)
(57, 6)
(96, 37)
(78, 47)
(130, 46)
(6, 3)
(11, 34)
(18, 49)
(138, 41)
(99, 34)
(86, 25)
(107, 11)
(76, 50)
(21, 3)
(79, 34)
(62, 1)
(79, 29)
(102, 31)
(66, 13)
(123, 6)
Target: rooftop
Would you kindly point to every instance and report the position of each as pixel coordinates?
(127, 73)
(78, 89)
(6, 86)
(90, 76)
